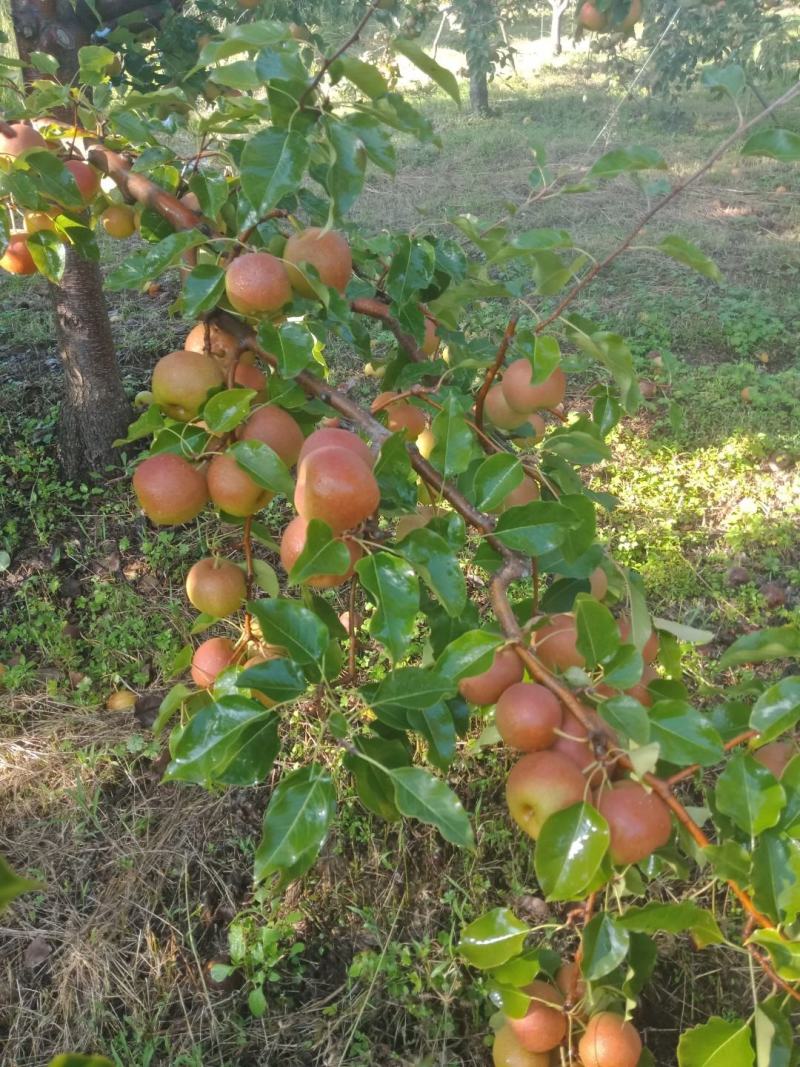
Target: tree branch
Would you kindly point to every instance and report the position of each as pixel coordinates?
(492, 372)
(376, 309)
(351, 40)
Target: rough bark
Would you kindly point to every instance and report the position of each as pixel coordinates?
(479, 92)
(94, 410)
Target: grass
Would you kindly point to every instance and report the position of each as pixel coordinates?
(148, 885)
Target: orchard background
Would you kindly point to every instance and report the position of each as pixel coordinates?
(143, 936)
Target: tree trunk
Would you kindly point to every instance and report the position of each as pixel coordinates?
(479, 92)
(555, 27)
(94, 410)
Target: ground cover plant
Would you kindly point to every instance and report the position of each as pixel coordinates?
(425, 599)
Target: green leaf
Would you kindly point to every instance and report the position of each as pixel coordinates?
(395, 591)
(374, 786)
(411, 269)
(717, 1043)
(12, 885)
(211, 190)
(224, 411)
(363, 75)
(202, 289)
(785, 955)
(395, 475)
(437, 726)
(434, 561)
(420, 795)
(292, 346)
(750, 795)
(690, 255)
(296, 823)
(455, 441)
(263, 465)
(605, 945)
(94, 61)
(730, 79)
(628, 718)
(444, 78)
(624, 669)
(493, 939)
(345, 176)
(53, 179)
(265, 576)
(405, 688)
(494, 480)
(683, 735)
(377, 141)
(322, 554)
(776, 875)
(780, 642)
(279, 679)
(774, 1033)
(623, 160)
(570, 851)
(731, 861)
(169, 705)
(46, 63)
(470, 653)
(49, 254)
(776, 710)
(690, 634)
(534, 528)
(777, 143)
(148, 263)
(598, 634)
(674, 919)
(233, 740)
(273, 164)
(290, 625)
(578, 447)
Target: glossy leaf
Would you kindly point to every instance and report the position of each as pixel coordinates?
(291, 344)
(279, 679)
(395, 475)
(717, 1043)
(49, 254)
(202, 289)
(296, 823)
(444, 78)
(420, 795)
(774, 1033)
(598, 634)
(322, 554)
(674, 919)
(470, 653)
(534, 528)
(690, 634)
(785, 955)
(685, 252)
(605, 945)
(170, 704)
(493, 939)
(776, 710)
(405, 688)
(624, 669)
(776, 875)
(570, 851)
(290, 625)
(373, 784)
(436, 564)
(211, 190)
(264, 466)
(224, 411)
(628, 717)
(683, 734)
(776, 143)
(494, 480)
(411, 269)
(233, 740)
(750, 795)
(780, 642)
(436, 725)
(455, 441)
(395, 591)
(273, 164)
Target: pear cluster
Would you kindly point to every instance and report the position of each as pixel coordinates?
(516, 401)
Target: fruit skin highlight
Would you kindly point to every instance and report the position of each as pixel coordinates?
(488, 687)
(520, 393)
(335, 485)
(216, 587)
(169, 489)
(181, 382)
(610, 1041)
(276, 428)
(527, 716)
(17, 258)
(293, 542)
(210, 659)
(539, 785)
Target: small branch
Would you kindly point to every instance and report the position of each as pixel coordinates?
(676, 191)
(351, 628)
(351, 40)
(688, 772)
(245, 235)
(376, 309)
(774, 977)
(492, 372)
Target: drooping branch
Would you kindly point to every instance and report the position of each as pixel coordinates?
(140, 188)
(676, 191)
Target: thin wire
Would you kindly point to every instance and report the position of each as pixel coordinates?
(642, 69)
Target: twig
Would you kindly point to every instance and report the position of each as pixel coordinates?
(492, 372)
(687, 772)
(769, 970)
(676, 191)
(376, 309)
(351, 628)
(351, 40)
